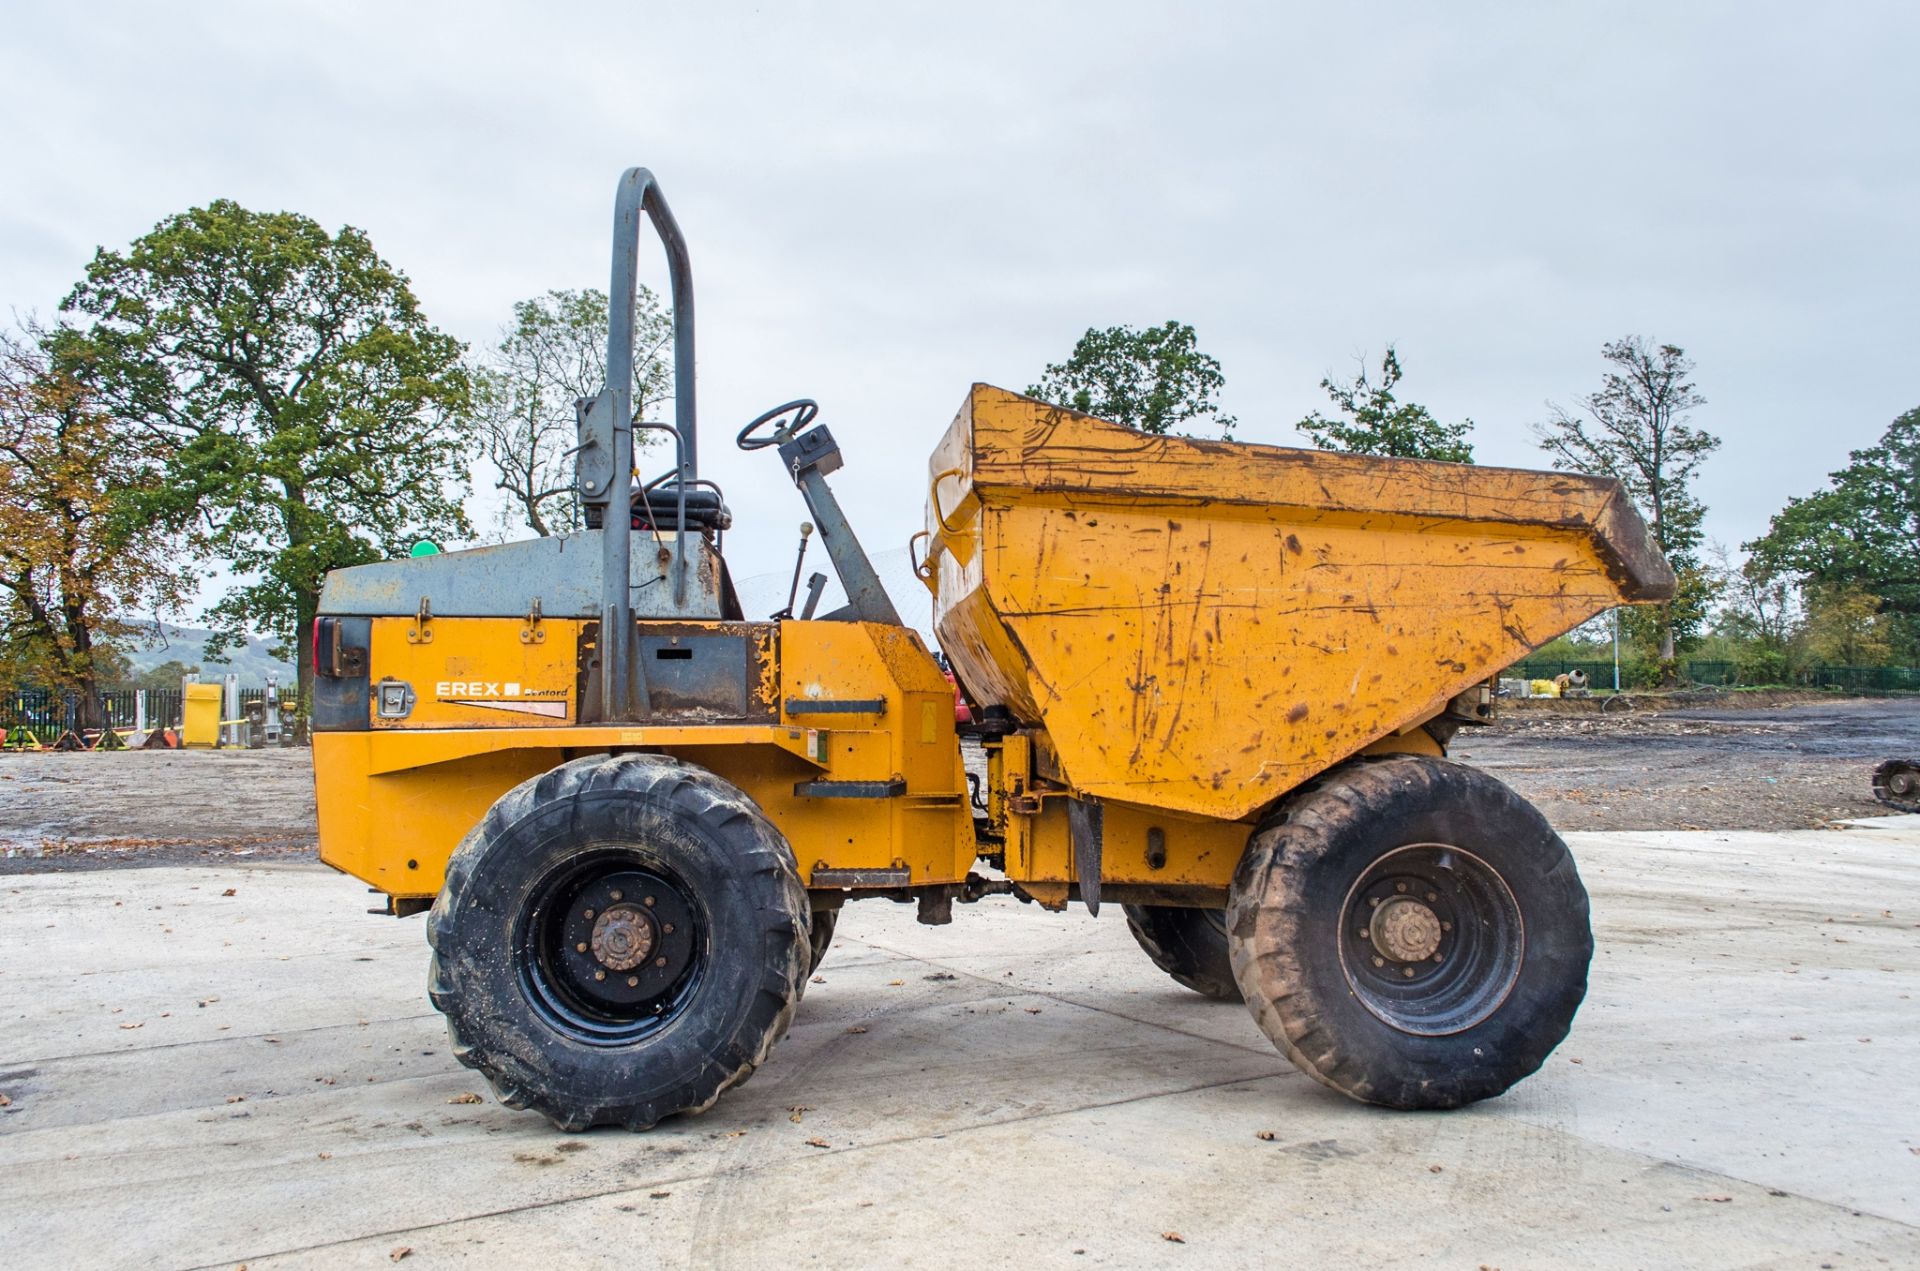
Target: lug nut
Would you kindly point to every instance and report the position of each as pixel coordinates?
(1408, 973)
(660, 961)
(587, 914)
(1446, 926)
(1400, 887)
(667, 928)
(633, 981)
(614, 894)
(1374, 901)
(1431, 896)
(648, 902)
(599, 975)
(581, 947)
(1436, 957)
(1379, 961)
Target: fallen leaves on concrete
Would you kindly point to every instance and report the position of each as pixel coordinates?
(858, 1028)
(818, 1143)
(797, 1111)
(1173, 1237)
(399, 1252)
(467, 1097)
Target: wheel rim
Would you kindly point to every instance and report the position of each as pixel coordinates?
(1431, 939)
(611, 950)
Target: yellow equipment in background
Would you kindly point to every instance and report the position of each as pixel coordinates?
(1210, 682)
(200, 715)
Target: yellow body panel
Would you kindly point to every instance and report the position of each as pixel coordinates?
(1201, 626)
(480, 672)
(395, 802)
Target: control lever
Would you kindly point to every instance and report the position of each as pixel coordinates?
(806, 532)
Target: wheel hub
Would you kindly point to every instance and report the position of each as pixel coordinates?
(1431, 940)
(611, 949)
(1405, 930)
(623, 938)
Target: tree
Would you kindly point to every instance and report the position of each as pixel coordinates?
(1378, 423)
(313, 416)
(554, 354)
(1635, 430)
(1845, 626)
(1154, 379)
(76, 552)
(1864, 529)
(166, 676)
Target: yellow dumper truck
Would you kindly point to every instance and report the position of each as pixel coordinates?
(1212, 683)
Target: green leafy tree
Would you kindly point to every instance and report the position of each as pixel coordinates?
(1845, 626)
(1156, 379)
(77, 552)
(553, 354)
(1863, 530)
(1376, 422)
(312, 415)
(1635, 430)
(165, 676)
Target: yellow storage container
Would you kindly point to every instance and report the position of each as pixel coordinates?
(200, 716)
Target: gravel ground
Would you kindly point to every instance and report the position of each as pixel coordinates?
(1737, 765)
(1733, 765)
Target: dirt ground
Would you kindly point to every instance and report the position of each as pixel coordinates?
(1733, 765)
(1739, 764)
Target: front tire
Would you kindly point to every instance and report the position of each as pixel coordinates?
(619, 940)
(1411, 933)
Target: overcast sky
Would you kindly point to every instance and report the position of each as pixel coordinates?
(886, 203)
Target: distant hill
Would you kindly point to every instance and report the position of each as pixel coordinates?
(185, 644)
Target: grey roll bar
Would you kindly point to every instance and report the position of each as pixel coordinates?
(639, 192)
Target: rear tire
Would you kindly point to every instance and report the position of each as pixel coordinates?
(620, 939)
(1188, 944)
(1411, 933)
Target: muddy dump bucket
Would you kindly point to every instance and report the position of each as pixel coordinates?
(1201, 626)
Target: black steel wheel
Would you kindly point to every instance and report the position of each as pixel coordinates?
(608, 952)
(1433, 939)
(619, 940)
(1188, 944)
(1410, 932)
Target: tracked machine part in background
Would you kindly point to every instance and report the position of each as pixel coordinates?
(1896, 783)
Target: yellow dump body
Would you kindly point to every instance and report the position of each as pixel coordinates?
(1201, 626)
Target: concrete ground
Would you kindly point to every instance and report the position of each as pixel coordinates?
(220, 1064)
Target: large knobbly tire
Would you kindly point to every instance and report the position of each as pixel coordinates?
(824, 921)
(1188, 944)
(666, 874)
(1411, 933)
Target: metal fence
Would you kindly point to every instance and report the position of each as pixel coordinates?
(1599, 674)
(44, 711)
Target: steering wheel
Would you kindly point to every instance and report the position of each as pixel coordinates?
(804, 412)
